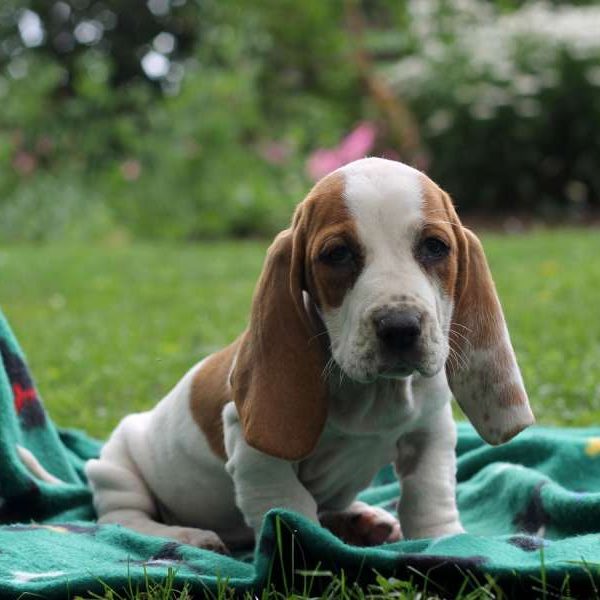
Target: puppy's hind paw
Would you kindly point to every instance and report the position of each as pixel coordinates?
(201, 538)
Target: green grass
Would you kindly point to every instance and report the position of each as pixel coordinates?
(336, 587)
(549, 284)
(108, 330)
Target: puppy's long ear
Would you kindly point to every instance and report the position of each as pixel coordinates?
(484, 378)
(277, 381)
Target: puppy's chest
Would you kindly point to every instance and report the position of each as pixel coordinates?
(360, 437)
(342, 465)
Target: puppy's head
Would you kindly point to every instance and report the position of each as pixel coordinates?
(400, 286)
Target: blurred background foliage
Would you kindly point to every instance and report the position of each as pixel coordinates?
(197, 119)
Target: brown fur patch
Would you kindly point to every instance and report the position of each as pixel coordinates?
(511, 433)
(481, 308)
(465, 275)
(512, 397)
(328, 222)
(440, 220)
(410, 452)
(276, 384)
(209, 394)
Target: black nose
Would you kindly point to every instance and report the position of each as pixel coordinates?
(398, 330)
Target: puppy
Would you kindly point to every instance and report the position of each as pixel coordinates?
(372, 309)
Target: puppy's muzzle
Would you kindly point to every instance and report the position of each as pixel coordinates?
(398, 333)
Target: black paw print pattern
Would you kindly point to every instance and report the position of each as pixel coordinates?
(27, 404)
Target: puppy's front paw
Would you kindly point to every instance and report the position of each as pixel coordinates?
(437, 531)
(363, 525)
(451, 529)
(201, 538)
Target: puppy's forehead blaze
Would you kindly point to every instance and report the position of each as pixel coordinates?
(440, 220)
(329, 219)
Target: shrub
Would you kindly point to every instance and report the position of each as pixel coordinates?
(505, 95)
(220, 153)
(508, 102)
(54, 208)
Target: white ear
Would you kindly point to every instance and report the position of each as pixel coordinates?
(487, 383)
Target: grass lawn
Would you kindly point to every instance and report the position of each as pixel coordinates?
(109, 329)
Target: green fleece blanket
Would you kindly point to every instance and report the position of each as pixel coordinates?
(531, 507)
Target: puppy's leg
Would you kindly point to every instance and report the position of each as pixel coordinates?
(362, 525)
(426, 465)
(121, 495)
(261, 481)
(143, 523)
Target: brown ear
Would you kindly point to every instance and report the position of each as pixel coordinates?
(484, 376)
(277, 382)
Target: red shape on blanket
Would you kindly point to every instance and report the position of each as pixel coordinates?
(23, 396)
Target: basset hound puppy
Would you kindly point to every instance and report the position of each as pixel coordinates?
(372, 309)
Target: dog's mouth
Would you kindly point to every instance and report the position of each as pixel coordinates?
(373, 374)
(375, 362)
(391, 370)
(396, 372)
(404, 370)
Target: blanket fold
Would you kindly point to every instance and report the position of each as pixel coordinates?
(531, 509)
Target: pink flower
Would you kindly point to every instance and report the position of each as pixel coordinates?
(24, 163)
(357, 144)
(131, 169)
(276, 153)
(44, 145)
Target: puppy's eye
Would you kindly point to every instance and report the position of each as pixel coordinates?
(432, 249)
(339, 255)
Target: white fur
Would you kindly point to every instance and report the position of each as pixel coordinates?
(157, 466)
(385, 198)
